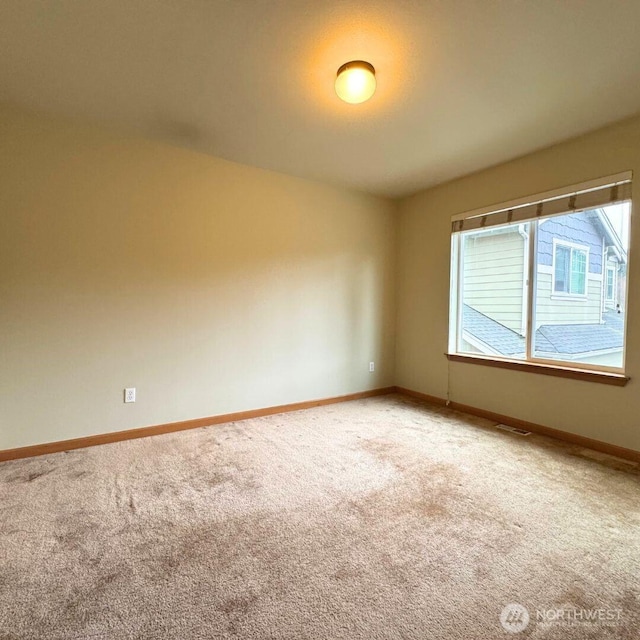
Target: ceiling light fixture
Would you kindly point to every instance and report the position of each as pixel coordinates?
(356, 81)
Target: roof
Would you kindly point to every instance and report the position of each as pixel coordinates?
(496, 336)
(571, 339)
(552, 339)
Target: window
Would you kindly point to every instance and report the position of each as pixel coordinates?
(610, 285)
(538, 283)
(570, 273)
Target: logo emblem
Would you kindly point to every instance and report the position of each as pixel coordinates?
(514, 618)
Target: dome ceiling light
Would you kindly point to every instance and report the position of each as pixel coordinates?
(356, 81)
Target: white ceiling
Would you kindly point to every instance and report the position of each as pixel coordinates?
(462, 84)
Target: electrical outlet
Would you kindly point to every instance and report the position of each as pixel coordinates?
(372, 367)
(130, 395)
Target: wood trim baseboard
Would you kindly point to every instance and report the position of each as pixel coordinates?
(421, 396)
(144, 432)
(557, 434)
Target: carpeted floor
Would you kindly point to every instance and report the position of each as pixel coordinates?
(378, 518)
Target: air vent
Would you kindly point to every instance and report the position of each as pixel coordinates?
(506, 427)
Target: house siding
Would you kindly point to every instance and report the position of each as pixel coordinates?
(493, 276)
(576, 228)
(551, 309)
(494, 266)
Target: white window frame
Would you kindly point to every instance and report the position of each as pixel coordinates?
(569, 295)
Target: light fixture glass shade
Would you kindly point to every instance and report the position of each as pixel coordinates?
(356, 81)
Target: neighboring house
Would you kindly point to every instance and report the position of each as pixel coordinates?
(581, 282)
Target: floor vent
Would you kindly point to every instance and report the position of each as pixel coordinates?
(506, 427)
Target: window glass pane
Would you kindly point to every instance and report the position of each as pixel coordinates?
(493, 291)
(563, 258)
(585, 324)
(610, 281)
(578, 271)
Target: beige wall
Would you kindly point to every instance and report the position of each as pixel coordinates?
(594, 410)
(214, 287)
(210, 286)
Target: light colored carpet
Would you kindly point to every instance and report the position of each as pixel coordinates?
(379, 518)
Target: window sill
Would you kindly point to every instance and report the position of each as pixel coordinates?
(603, 377)
(575, 297)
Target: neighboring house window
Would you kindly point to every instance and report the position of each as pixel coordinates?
(570, 272)
(534, 283)
(610, 285)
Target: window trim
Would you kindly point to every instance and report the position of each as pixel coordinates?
(617, 178)
(529, 362)
(615, 378)
(569, 295)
